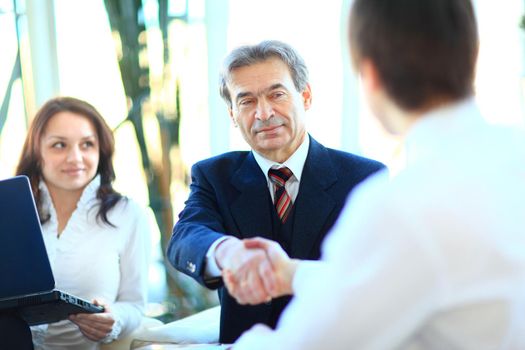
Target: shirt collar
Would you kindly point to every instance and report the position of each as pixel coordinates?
(88, 194)
(295, 163)
(441, 127)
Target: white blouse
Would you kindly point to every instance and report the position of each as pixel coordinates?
(92, 260)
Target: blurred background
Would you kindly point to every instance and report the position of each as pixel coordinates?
(151, 68)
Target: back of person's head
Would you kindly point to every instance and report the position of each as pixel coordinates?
(252, 54)
(30, 162)
(423, 50)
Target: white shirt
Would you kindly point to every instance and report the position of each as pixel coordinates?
(432, 258)
(93, 260)
(295, 163)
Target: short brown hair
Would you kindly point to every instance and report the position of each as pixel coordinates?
(30, 163)
(422, 49)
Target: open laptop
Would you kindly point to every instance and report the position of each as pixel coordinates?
(26, 280)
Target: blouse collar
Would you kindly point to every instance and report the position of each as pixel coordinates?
(89, 194)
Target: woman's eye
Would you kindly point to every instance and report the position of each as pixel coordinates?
(58, 145)
(88, 144)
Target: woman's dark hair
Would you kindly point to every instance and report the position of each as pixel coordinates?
(30, 163)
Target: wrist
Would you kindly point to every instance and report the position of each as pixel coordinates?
(291, 269)
(222, 251)
(115, 332)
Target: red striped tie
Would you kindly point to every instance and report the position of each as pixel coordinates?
(281, 199)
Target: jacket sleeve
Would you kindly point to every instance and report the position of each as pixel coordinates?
(200, 224)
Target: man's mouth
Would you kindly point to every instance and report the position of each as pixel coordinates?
(267, 128)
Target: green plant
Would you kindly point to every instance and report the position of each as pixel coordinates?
(150, 96)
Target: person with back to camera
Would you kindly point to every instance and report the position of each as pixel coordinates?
(96, 239)
(433, 257)
(288, 188)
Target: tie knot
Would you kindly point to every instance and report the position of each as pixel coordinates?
(279, 176)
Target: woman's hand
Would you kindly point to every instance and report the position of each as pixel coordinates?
(95, 326)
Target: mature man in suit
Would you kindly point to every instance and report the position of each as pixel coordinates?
(240, 194)
(432, 257)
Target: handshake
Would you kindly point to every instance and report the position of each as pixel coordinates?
(255, 270)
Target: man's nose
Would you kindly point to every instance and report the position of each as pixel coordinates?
(264, 110)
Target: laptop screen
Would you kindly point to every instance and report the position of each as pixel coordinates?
(24, 265)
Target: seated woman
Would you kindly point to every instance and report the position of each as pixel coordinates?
(96, 239)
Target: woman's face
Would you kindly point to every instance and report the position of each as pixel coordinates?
(70, 153)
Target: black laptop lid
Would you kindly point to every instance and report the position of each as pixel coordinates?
(24, 265)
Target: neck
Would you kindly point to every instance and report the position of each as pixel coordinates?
(282, 155)
(65, 203)
(401, 120)
(395, 120)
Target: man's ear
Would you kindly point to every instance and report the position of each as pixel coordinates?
(307, 97)
(230, 112)
(370, 76)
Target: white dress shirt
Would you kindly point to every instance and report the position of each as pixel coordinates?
(295, 163)
(93, 260)
(432, 258)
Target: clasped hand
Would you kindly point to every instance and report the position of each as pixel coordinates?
(255, 270)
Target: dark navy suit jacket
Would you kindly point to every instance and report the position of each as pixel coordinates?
(229, 195)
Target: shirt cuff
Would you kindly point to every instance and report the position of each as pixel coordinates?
(115, 332)
(211, 269)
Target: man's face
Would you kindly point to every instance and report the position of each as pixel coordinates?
(268, 109)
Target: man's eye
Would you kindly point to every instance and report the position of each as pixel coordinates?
(278, 94)
(245, 102)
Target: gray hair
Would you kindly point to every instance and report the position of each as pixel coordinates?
(251, 54)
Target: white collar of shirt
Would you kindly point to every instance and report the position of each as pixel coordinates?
(295, 163)
(439, 128)
(89, 194)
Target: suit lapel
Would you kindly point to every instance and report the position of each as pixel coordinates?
(313, 204)
(251, 208)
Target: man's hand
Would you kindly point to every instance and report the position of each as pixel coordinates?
(241, 271)
(278, 270)
(95, 326)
